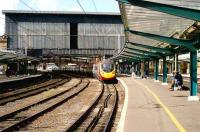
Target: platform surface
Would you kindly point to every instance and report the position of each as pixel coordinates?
(16, 78)
(152, 107)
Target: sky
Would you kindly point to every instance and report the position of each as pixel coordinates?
(56, 5)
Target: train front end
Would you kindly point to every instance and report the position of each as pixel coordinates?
(107, 71)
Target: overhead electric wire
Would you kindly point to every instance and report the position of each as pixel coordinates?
(81, 6)
(27, 5)
(94, 5)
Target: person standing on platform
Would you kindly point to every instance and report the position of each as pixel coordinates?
(132, 72)
(173, 80)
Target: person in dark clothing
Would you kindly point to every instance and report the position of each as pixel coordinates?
(178, 80)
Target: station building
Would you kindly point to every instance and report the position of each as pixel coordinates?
(64, 34)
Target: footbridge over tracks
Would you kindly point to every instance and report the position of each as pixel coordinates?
(159, 31)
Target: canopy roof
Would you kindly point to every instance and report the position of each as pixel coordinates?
(149, 32)
(11, 56)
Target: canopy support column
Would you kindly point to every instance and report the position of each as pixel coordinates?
(193, 76)
(156, 64)
(164, 71)
(147, 69)
(176, 62)
(142, 69)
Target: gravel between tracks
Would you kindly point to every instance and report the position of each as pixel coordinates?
(61, 117)
(12, 106)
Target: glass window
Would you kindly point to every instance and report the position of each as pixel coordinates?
(107, 67)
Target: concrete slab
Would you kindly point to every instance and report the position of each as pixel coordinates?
(145, 113)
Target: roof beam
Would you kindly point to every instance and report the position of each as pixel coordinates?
(144, 52)
(132, 59)
(136, 57)
(172, 41)
(157, 49)
(127, 58)
(188, 13)
(138, 54)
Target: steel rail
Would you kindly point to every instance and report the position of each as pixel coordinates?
(8, 115)
(99, 114)
(112, 111)
(62, 100)
(19, 94)
(84, 115)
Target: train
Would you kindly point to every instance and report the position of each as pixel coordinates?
(47, 67)
(104, 70)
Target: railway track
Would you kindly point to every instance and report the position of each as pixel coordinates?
(21, 117)
(32, 90)
(100, 112)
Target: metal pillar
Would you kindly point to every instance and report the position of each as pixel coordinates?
(136, 68)
(164, 70)
(156, 64)
(173, 65)
(142, 69)
(139, 67)
(154, 69)
(193, 76)
(147, 68)
(176, 62)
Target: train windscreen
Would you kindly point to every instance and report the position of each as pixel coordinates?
(107, 67)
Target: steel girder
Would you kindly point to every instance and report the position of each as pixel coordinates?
(137, 57)
(127, 58)
(188, 13)
(173, 41)
(144, 52)
(157, 49)
(141, 54)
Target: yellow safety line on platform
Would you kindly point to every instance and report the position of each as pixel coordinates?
(170, 114)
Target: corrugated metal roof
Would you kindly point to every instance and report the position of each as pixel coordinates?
(145, 20)
(7, 56)
(59, 12)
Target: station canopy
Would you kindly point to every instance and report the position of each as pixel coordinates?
(148, 30)
(11, 56)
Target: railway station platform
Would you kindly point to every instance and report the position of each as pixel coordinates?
(4, 79)
(151, 107)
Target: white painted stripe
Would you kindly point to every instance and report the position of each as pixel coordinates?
(120, 127)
